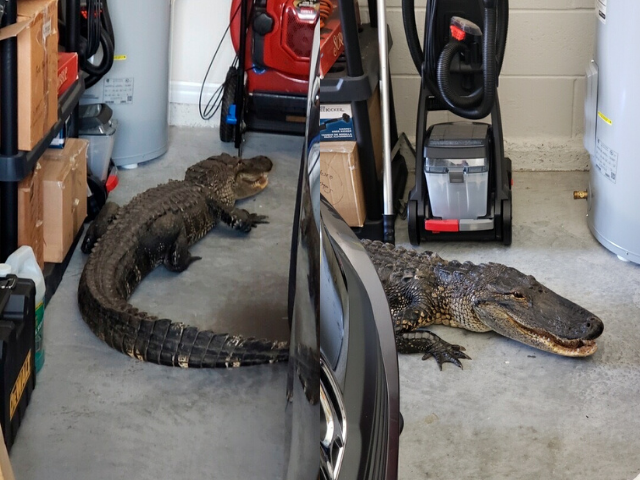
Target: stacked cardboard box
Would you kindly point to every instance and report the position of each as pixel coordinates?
(36, 31)
(340, 169)
(341, 181)
(65, 196)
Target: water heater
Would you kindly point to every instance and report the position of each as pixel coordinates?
(137, 86)
(612, 106)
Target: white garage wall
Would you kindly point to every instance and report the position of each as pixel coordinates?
(198, 26)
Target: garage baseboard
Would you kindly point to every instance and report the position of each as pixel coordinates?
(184, 98)
(547, 154)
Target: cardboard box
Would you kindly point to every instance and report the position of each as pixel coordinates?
(58, 209)
(31, 213)
(340, 180)
(6, 470)
(65, 196)
(74, 153)
(37, 32)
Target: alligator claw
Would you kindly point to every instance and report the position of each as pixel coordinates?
(256, 219)
(450, 356)
(430, 345)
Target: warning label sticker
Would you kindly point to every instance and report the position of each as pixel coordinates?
(606, 161)
(601, 10)
(118, 91)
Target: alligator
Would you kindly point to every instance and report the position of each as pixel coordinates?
(423, 289)
(157, 227)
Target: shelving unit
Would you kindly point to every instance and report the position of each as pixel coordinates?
(356, 77)
(15, 164)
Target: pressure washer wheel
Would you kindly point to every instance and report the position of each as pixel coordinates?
(227, 130)
(506, 209)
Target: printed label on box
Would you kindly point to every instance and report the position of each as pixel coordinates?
(336, 122)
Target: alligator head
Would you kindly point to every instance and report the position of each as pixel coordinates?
(248, 176)
(519, 307)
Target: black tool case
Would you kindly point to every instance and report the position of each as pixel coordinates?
(17, 352)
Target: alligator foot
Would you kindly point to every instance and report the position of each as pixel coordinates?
(241, 220)
(99, 226)
(179, 257)
(431, 345)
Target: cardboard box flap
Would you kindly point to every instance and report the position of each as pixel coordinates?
(14, 30)
(31, 8)
(27, 11)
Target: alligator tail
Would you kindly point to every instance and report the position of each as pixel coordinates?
(139, 335)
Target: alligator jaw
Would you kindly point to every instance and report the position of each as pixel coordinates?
(258, 182)
(506, 323)
(249, 184)
(550, 343)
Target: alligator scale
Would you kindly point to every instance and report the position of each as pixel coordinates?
(157, 227)
(423, 289)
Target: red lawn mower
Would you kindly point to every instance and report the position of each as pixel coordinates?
(275, 51)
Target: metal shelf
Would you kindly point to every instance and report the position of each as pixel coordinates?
(15, 164)
(354, 79)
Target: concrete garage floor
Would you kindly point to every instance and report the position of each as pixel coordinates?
(98, 414)
(515, 412)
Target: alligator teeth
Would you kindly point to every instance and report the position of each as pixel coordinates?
(560, 346)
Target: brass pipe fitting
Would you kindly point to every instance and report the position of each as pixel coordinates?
(580, 195)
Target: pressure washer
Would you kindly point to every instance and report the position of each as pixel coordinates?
(266, 86)
(463, 179)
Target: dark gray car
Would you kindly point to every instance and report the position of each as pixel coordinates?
(343, 386)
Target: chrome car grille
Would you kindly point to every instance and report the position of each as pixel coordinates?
(333, 427)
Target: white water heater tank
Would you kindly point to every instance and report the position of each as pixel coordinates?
(137, 86)
(612, 130)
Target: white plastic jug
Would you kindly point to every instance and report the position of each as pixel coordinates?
(24, 265)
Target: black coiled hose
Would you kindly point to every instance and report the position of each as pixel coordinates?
(411, 32)
(470, 106)
(444, 74)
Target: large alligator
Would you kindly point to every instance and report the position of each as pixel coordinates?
(157, 227)
(423, 289)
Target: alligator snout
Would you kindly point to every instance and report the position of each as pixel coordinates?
(593, 328)
(589, 328)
